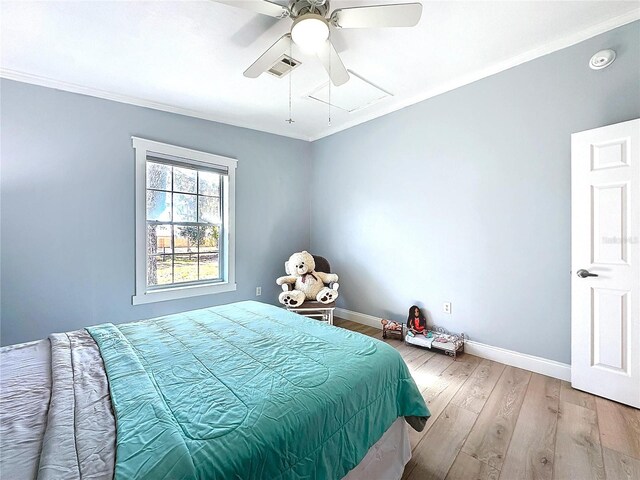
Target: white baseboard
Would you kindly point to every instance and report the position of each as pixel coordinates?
(358, 317)
(532, 363)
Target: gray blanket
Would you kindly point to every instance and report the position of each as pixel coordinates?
(78, 425)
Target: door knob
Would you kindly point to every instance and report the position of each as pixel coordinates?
(582, 273)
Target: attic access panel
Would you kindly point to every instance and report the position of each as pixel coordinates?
(352, 96)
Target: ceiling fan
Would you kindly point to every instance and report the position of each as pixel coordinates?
(311, 28)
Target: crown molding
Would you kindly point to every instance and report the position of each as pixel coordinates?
(559, 44)
(137, 101)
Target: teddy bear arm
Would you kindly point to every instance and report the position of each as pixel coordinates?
(327, 277)
(286, 279)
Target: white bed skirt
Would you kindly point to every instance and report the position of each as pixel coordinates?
(387, 458)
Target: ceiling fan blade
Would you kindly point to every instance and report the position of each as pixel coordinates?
(399, 15)
(333, 65)
(264, 7)
(268, 58)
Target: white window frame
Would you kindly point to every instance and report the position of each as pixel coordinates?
(144, 148)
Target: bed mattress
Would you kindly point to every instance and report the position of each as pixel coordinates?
(243, 418)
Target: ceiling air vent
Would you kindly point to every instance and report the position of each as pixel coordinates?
(283, 66)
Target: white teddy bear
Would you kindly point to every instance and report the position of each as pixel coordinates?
(308, 284)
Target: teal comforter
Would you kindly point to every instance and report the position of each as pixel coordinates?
(249, 391)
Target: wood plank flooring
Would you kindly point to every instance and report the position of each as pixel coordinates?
(495, 422)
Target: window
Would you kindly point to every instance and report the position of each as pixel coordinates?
(184, 222)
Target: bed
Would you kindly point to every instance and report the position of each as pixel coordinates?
(240, 391)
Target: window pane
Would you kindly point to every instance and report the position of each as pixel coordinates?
(185, 239)
(185, 268)
(159, 270)
(158, 206)
(209, 183)
(184, 180)
(208, 239)
(209, 209)
(158, 239)
(184, 208)
(209, 266)
(158, 176)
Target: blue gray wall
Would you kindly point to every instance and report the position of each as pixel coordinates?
(67, 208)
(465, 197)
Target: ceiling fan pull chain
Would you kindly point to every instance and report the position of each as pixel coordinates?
(329, 103)
(290, 75)
(330, 53)
(290, 120)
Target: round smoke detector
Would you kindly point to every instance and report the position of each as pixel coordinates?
(602, 59)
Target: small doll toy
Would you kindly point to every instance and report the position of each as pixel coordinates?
(392, 328)
(389, 325)
(416, 322)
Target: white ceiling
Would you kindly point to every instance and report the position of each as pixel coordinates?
(188, 56)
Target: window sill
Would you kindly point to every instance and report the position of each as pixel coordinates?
(182, 292)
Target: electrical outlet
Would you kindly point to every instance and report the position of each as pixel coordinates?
(258, 291)
(446, 306)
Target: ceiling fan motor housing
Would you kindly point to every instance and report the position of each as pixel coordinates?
(302, 7)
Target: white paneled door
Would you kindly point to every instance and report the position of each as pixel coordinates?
(605, 251)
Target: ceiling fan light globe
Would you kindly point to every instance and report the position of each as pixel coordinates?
(310, 32)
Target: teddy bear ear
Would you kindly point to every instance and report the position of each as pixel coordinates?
(304, 251)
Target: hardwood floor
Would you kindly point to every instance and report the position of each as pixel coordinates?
(492, 421)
